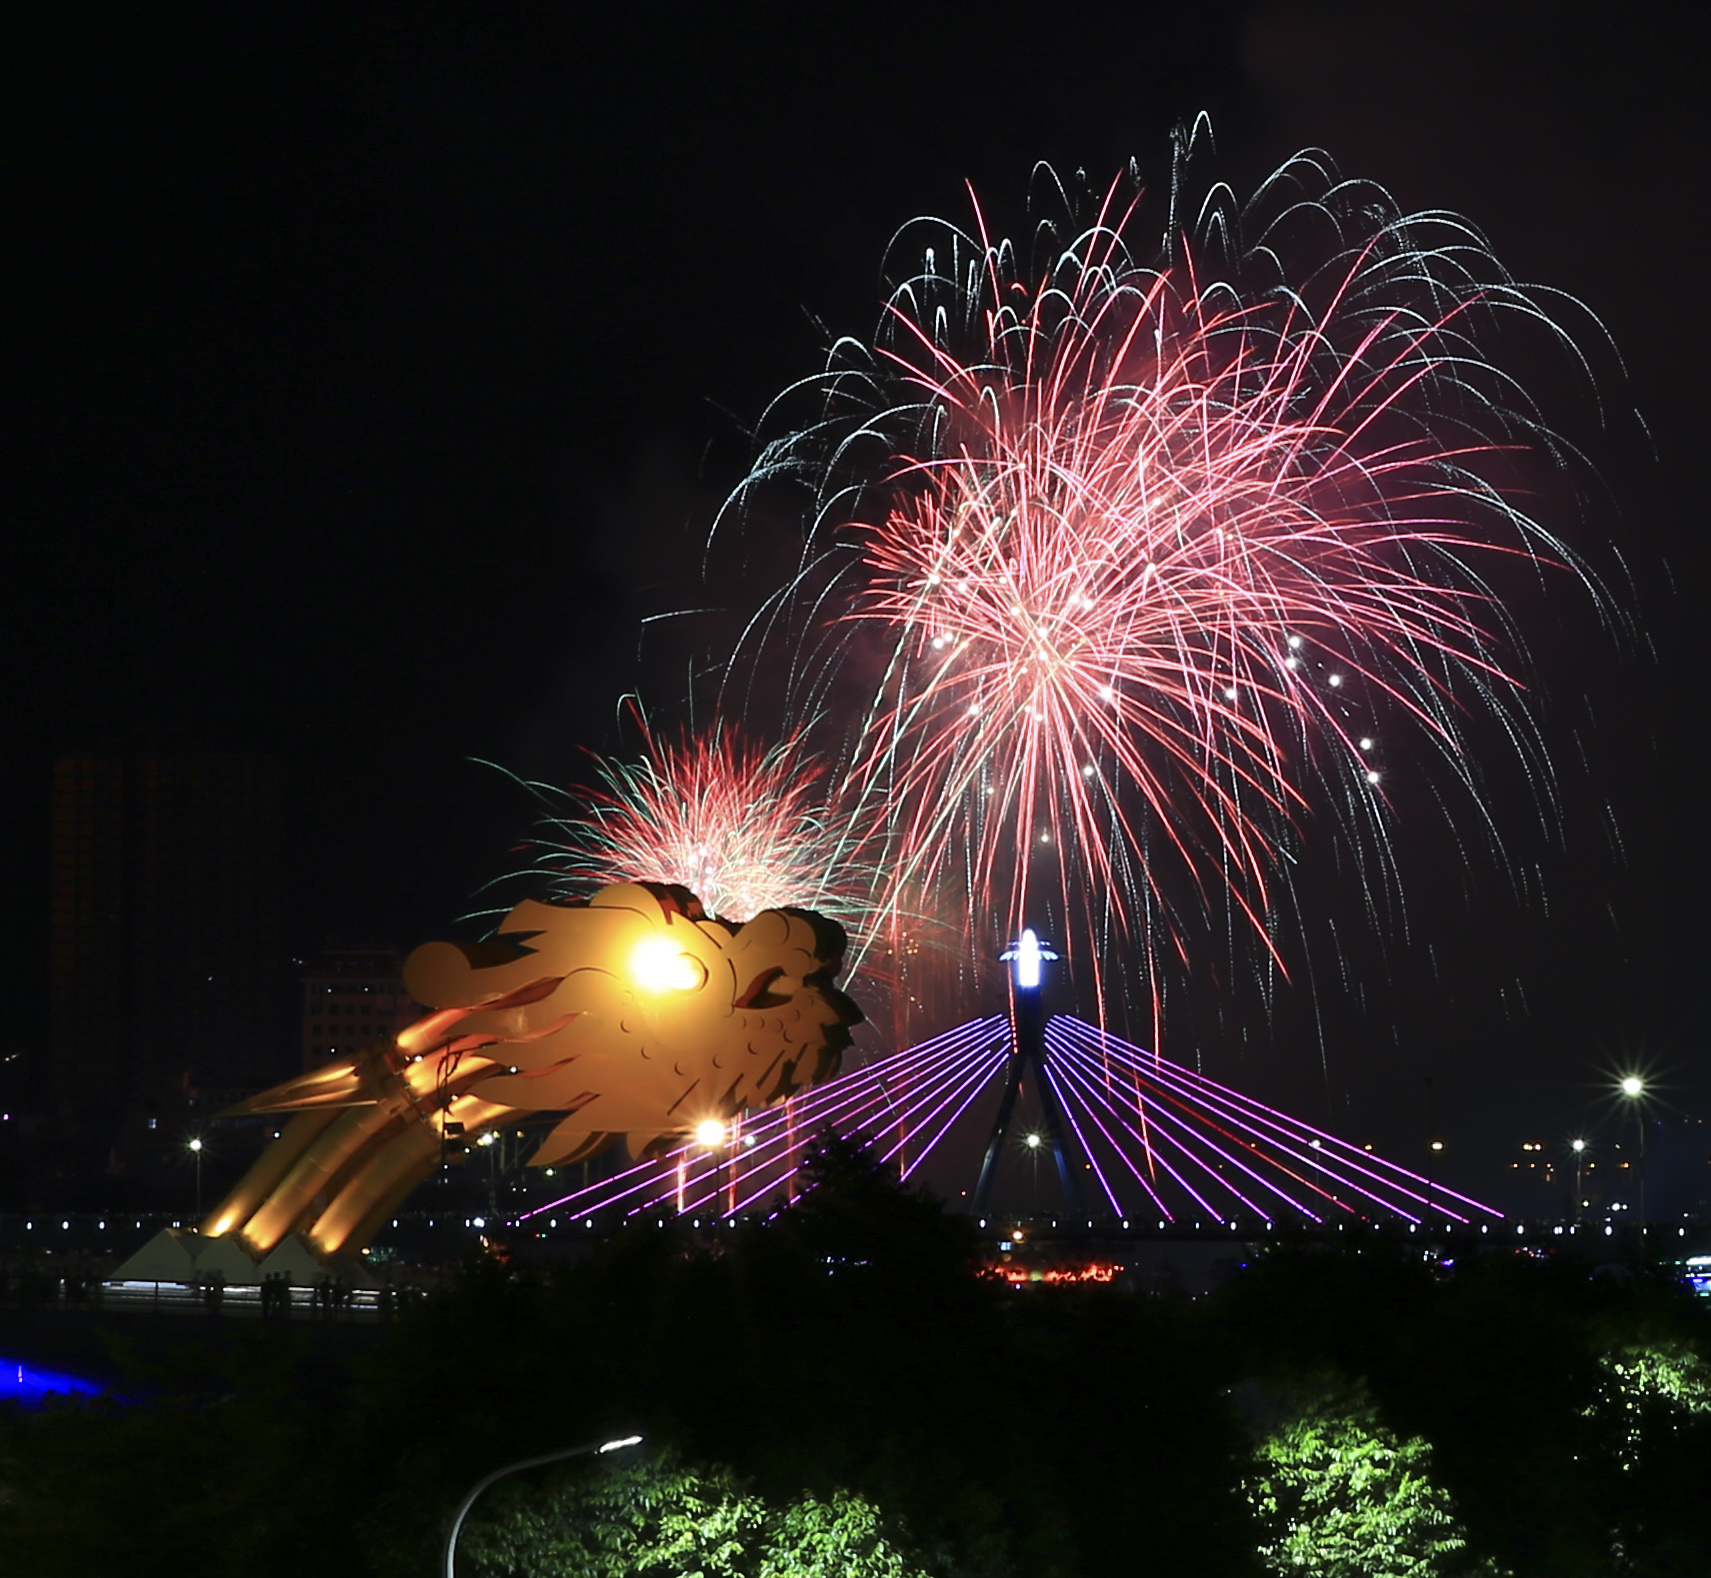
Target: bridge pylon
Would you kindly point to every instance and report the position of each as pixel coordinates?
(1027, 1063)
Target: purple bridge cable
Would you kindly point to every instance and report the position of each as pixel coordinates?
(1160, 1121)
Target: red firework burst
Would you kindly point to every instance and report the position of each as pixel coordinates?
(1157, 543)
(740, 825)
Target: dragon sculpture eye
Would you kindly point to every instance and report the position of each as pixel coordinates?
(659, 966)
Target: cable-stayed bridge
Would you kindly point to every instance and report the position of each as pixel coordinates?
(1129, 1137)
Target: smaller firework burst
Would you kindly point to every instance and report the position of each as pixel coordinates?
(747, 827)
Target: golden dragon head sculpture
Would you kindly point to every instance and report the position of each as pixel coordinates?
(634, 1013)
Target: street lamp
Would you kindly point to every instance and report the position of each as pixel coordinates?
(712, 1135)
(1435, 1146)
(1634, 1089)
(516, 1468)
(1579, 1149)
(492, 1173)
(196, 1151)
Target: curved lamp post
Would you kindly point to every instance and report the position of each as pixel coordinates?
(516, 1468)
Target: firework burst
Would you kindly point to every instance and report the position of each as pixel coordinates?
(1149, 549)
(741, 825)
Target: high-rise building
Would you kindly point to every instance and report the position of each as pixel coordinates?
(352, 997)
(166, 964)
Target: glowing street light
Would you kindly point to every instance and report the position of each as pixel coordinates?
(1579, 1149)
(710, 1133)
(1634, 1089)
(195, 1149)
(481, 1484)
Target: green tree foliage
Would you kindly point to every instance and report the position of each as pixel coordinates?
(1499, 1363)
(1652, 1419)
(656, 1518)
(1339, 1495)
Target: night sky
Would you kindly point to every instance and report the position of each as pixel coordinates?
(376, 373)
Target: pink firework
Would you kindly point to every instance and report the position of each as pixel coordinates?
(1150, 547)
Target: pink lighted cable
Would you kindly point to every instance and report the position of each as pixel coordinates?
(1090, 1072)
(1165, 1116)
(1163, 1161)
(1196, 1090)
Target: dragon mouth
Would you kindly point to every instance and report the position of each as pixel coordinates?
(757, 994)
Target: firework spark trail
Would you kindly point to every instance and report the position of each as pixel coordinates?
(1121, 577)
(1150, 548)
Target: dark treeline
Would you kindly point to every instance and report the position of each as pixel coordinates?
(1358, 1412)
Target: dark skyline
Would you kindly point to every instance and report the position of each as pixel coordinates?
(376, 375)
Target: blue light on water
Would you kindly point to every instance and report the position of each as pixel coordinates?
(27, 1383)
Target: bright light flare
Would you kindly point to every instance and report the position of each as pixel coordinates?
(659, 965)
(711, 1133)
